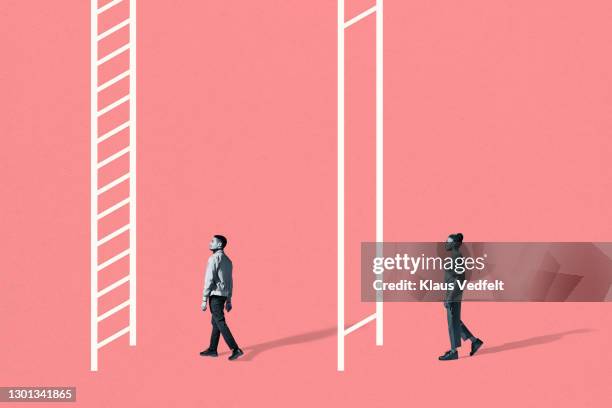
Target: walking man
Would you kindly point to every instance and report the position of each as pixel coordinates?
(457, 330)
(218, 287)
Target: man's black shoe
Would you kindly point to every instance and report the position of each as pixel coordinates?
(476, 344)
(209, 353)
(449, 355)
(235, 354)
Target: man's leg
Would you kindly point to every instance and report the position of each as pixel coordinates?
(215, 333)
(455, 340)
(218, 317)
(211, 351)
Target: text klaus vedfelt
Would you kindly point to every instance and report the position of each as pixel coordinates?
(411, 264)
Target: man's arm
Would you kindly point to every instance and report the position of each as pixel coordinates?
(208, 281)
(230, 288)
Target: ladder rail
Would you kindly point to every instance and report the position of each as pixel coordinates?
(133, 172)
(340, 215)
(94, 190)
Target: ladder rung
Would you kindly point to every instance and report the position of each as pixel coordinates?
(113, 337)
(359, 17)
(113, 157)
(113, 286)
(114, 80)
(114, 54)
(113, 132)
(114, 208)
(114, 234)
(114, 259)
(113, 29)
(113, 310)
(113, 183)
(360, 324)
(113, 105)
(108, 6)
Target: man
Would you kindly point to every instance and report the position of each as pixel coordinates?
(452, 302)
(218, 287)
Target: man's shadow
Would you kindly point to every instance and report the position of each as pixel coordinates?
(532, 341)
(250, 352)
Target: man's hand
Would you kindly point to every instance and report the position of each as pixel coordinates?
(228, 306)
(203, 305)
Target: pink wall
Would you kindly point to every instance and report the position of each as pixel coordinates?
(497, 124)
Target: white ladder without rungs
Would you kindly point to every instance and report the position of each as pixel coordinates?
(343, 25)
(98, 267)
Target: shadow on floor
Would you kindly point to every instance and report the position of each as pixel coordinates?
(532, 341)
(252, 351)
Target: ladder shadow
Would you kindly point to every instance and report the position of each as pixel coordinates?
(532, 341)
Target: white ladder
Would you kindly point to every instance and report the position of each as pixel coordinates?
(98, 164)
(343, 25)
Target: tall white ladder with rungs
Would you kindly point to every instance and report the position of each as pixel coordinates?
(98, 12)
(343, 25)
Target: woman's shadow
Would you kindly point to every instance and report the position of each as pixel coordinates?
(532, 341)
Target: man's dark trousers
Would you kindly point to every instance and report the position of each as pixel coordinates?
(219, 326)
(456, 329)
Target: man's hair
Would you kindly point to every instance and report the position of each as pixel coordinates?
(221, 239)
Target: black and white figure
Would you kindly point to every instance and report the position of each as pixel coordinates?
(218, 285)
(457, 330)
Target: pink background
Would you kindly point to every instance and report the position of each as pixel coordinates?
(497, 124)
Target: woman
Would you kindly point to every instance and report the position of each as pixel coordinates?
(452, 302)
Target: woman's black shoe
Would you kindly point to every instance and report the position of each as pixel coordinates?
(475, 346)
(235, 354)
(449, 355)
(209, 353)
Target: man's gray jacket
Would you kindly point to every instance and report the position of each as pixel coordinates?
(218, 279)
